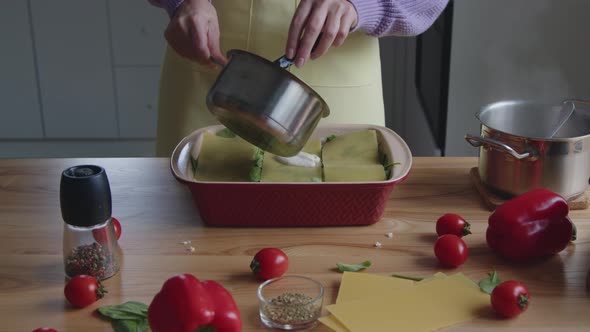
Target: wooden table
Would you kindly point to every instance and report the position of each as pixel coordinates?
(157, 214)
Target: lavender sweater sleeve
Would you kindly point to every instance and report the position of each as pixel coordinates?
(397, 17)
(169, 5)
(376, 17)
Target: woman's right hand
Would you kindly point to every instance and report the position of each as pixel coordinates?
(193, 32)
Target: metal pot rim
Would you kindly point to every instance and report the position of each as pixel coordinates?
(326, 109)
(523, 102)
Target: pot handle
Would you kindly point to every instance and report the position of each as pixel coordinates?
(217, 61)
(478, 141)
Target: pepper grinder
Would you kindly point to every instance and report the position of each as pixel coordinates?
(90, 244)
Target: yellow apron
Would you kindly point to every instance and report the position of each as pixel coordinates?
(348, 77)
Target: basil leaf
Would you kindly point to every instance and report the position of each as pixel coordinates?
(126, 311)
(194, 165)
(488, 284)
(124, 325)
(256, 170)
(226, 133)
(206, 329)
(353, 267)
(392, 164)
(407, 277)
(143, 325)
(330, 138)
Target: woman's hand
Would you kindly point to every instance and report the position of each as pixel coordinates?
(333, 18)
(193, 32)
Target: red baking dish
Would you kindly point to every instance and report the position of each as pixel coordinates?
(247, 204)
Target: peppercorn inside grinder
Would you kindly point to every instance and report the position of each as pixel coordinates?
(90, 244)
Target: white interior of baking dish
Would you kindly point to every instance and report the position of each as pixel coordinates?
(390, 144)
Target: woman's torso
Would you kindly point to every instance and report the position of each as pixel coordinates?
(348, 77)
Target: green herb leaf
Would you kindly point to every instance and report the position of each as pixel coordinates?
(226, 133)
(124, 325)
(194, 165)
(406, 277)
(330, 138)
(127, 317)
(488, 284)
(128, 310)
(574, 232)
(143, 325)
(256, 170)
(206, 329)
(353, 267)
(392, 164)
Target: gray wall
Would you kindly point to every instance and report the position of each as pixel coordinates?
(514, 49)
(79, 77)
(102, 76)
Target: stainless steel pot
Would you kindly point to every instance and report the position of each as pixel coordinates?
(265, 104)
(517, 153)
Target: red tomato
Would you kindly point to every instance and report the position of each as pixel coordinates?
(451, 250)
(83, 290)
(117, 226)
(510, 298)
(44, 329)
(269, 263)
(101, 235)
(451, 223)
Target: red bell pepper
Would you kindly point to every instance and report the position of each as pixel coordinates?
(530, 226)
(186, 304)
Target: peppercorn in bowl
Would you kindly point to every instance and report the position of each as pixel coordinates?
(233, 183)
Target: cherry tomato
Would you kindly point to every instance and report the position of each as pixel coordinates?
(83, 290)
(101, 235)
(510, 298)
(44, 329)
(450, 250)
(117, 226)
(269, 263)
(451, 223)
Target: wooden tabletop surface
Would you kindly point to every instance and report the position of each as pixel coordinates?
(157, 214)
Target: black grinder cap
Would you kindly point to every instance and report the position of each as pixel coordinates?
(85, 196)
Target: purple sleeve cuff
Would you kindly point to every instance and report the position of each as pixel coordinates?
(169, 5)
(396, 17)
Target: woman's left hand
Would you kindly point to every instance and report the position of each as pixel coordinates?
(332, 18)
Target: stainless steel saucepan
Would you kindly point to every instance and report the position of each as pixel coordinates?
(265, 104)
(526, 145)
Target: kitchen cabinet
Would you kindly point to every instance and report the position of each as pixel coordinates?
(138, 33)
(75, 70)
(20, 113)
(137, 92)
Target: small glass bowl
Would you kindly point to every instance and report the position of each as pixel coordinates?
(290, 302)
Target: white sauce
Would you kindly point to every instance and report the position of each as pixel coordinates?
(302, 159)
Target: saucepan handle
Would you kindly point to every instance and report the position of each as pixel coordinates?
(478, 141)
(217, 61)
(577, 103)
